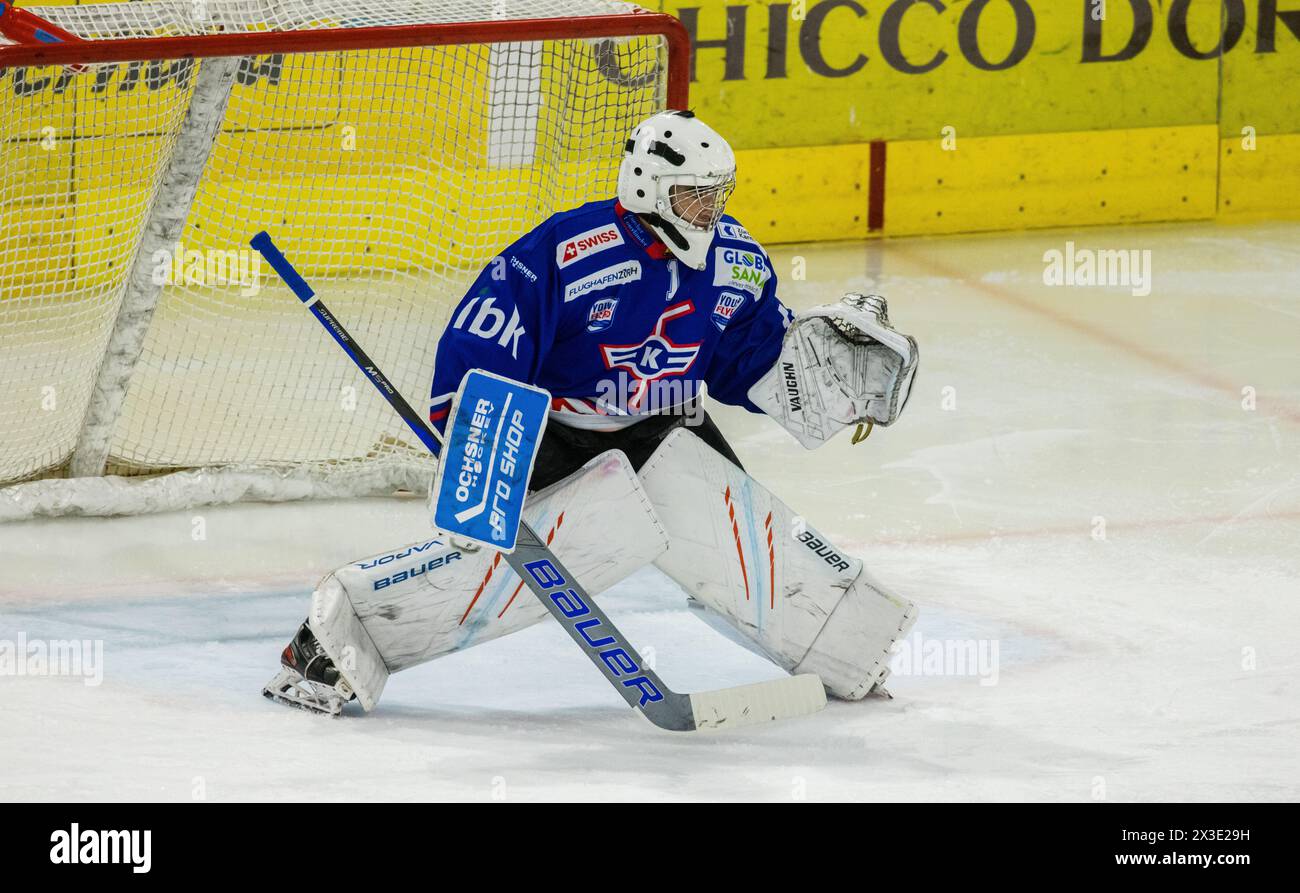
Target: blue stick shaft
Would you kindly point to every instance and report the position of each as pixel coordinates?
(262, 242)
(285, 270)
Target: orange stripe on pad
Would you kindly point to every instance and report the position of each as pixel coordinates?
(771, 561)
(550, 536)
(486, 577)
(735, 531)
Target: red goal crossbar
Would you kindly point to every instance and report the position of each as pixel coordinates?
(255, 43)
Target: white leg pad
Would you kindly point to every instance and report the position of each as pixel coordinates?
(343, 637)
(401, 608)
(754, 564)
(852, 652)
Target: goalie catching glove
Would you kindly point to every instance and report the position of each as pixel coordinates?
(841, 364)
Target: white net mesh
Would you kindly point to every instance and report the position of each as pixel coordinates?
(158, 18)
(389, 176)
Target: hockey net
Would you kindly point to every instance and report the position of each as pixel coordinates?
(148, 359)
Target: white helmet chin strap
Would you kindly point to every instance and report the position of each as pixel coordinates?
(690, 246)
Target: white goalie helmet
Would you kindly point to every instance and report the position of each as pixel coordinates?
(678, 173)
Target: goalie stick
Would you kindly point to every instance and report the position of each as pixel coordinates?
(563, 595)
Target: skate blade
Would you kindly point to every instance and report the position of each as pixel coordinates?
(292, 690)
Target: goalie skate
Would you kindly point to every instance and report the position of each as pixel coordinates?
(308, 679)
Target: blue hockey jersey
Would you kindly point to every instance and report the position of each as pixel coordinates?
(593, 307)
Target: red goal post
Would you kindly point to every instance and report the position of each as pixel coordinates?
(637, 22)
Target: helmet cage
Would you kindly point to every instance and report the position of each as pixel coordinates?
(696, 202)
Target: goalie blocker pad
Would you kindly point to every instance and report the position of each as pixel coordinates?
(840, 364)
(401, 608)
(754, 564)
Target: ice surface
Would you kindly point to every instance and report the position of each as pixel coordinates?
(1157, 663)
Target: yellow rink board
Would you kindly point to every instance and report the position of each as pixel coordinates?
(803, 194)
(986, 183)
(1064, 112)
(1047, 133)
(1262, 183)
(1100, 177)
(1052, 179)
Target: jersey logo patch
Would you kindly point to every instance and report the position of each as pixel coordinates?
(490, 323)
(601, 315)
(628, 271)
(737, 232)
(728, 303)
(658, 356)
(523, 269)
(746, 270)
(584, 244)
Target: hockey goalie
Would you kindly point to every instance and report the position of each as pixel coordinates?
(627, 311)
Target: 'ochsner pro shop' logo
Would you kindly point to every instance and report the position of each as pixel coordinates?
(471, 480)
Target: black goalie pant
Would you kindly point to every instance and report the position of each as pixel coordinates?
(564, 449)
